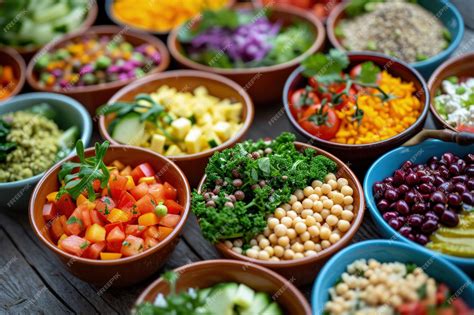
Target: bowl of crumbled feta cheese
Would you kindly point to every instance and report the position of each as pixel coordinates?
(36, 131)
(452, 94)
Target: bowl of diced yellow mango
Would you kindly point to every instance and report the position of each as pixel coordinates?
(184, 115)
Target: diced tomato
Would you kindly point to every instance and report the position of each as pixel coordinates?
(413, 308)
(132, 246)
(49, 211)
(74, 224)
(134, 229)
(104, 205)
(109, 227)
(74, 245)
(158, 192)
(96, 217)
(57, 227)
(142, 170)
(170, 220)
(164, 232)
(461, 308)
(150, 242)
(446, 311)
(126, 201)
(173, 207)
(139, 191)
(86, 218)
(442, 293)
(170, 191)
(96, 185)
(146, 204)
(114, 239)
(465, 128)
(152, 231)
(65, 205)
(117, 186)
(94, 250)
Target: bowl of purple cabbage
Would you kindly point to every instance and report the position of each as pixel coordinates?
(256, 47)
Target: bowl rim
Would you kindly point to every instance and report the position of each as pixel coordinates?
(464, 58)
(445, 53)
(97, 29)
(110, 14)
(248, 104)
(45, 96)
(93, 11)
(17, 59)
(228, 262)
(377, 242)
(424, 112)
(380, 222)
(120, 261)
(295, 12)
(328, 252)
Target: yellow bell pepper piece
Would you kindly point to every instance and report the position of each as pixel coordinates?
(148, 219)
(51, 197)
(95, 233)
(117, 215)
(110, 256)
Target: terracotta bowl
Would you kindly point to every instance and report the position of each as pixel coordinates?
(364, 152)
(446, 12)
(459, 66)
(124, 271)
(113, 18)
(262, 83)
(95, 95)
(303, 271)
(28, 52)
(9, 57)
(211, 272)
(193, 165)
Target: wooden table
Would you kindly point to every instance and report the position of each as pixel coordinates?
(34, 281)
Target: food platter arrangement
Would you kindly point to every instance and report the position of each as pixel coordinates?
(114, 137)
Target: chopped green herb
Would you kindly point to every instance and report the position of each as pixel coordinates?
(84, 245)
(73, 220)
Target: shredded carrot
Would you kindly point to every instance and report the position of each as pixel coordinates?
(161, 15)
(8, 81)
(381, 120)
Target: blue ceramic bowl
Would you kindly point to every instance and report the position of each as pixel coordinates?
(444, 10)
(388, 251)
(388, 163)
(70, 113)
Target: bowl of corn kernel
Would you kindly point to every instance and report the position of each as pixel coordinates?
(184, 115)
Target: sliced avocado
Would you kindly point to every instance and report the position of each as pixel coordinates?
(244, 296)
(260, 302)
(272, 309)
(220, 300)
(129, 129)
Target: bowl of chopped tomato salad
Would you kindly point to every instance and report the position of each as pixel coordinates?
(111, 212)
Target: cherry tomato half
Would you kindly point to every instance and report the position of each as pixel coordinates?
(326, 130)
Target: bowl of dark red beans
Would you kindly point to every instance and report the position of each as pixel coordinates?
(424, 195)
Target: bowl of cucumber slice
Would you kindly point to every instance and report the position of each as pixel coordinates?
(222, 287)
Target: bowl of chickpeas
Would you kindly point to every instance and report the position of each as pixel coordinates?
(389, 277)
(302, 234)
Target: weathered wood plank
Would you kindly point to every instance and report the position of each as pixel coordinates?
(22, 291)
(192, 235)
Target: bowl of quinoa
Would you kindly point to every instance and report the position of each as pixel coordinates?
(36, 131)
(423, 34)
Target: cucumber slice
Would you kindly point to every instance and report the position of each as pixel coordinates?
(244, 296)
(129, 129)
(204, 293)
(221, 299)
(260, 302)
(66, 142)
(272, 309)
(51, 13)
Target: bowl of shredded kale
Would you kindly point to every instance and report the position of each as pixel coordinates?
(244, 184)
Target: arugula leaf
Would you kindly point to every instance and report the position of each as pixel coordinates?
(368, 72)
(73, 220)
(326, 68)
(90, 169)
